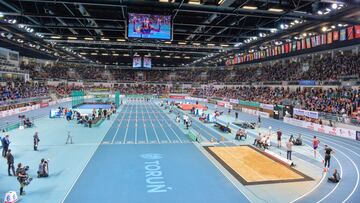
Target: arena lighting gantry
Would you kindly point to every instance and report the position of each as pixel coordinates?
(209, 27)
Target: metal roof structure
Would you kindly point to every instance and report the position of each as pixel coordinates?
(95, 30)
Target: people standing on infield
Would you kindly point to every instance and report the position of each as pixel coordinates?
(36, 141)
(289, 145)
(10, 162)
(328, 152)
(279, 134)
(316, 143)
(5, 144)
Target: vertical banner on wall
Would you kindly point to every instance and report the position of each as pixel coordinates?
(342, 35)
(329, 37)
(147, 62)
(357, 31)
(335, 35)
(350, 33)
(137, 62)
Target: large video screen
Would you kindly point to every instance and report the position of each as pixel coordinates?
(148, 26)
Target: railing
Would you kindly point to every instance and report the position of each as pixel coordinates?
(23, 100)
(11, 125)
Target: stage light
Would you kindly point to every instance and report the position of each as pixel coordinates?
(196, 44)
(278, 10)
(274, 30)
(55, 37)
(324, 29)
(104, 39)
(182, 43)
(320, 12)
(88, 38)
(334, 6)
(238, 44)
(250, 7)
(120, 40)
(210, 45)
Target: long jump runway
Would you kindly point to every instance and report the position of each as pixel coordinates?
(145, 157)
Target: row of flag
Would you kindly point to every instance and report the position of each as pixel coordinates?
(348, 33)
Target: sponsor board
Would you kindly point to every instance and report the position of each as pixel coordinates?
(177, 97)
(234, 101)
(334, 131)
(310, 114)
(33, 107)
(196, 99)
(44, 104)
(255, 112)
(267, 106)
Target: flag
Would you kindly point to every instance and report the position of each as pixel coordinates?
(318, 40)
(294, 46)
(286, 48)
(335, 35)
(303, 44)
(298, 45)
(357, 31)
(329, 37)
(308, 44)
(323, 39)
(342, 35)
(313, 41)
(350, 33)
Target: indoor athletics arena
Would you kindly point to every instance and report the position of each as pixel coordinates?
(180, 101)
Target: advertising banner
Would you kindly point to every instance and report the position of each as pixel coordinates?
(310, 114)
(341, 132)
(177, 97)
(267, 106)
(234, 101)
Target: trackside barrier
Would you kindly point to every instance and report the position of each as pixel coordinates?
(334, 131)
(192, 135)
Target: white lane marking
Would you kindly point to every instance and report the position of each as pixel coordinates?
(118, 127)
(127, 126)
(153, 128)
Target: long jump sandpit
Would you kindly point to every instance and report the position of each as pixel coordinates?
(251, 166)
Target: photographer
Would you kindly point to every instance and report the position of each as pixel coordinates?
(43, 168)
(23, 177)
(10, 162)
(36, 141)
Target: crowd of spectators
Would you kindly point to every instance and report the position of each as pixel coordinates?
(325, 67)
(332, 100)
(19, 90)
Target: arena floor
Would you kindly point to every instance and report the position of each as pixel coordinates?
(141, 155)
